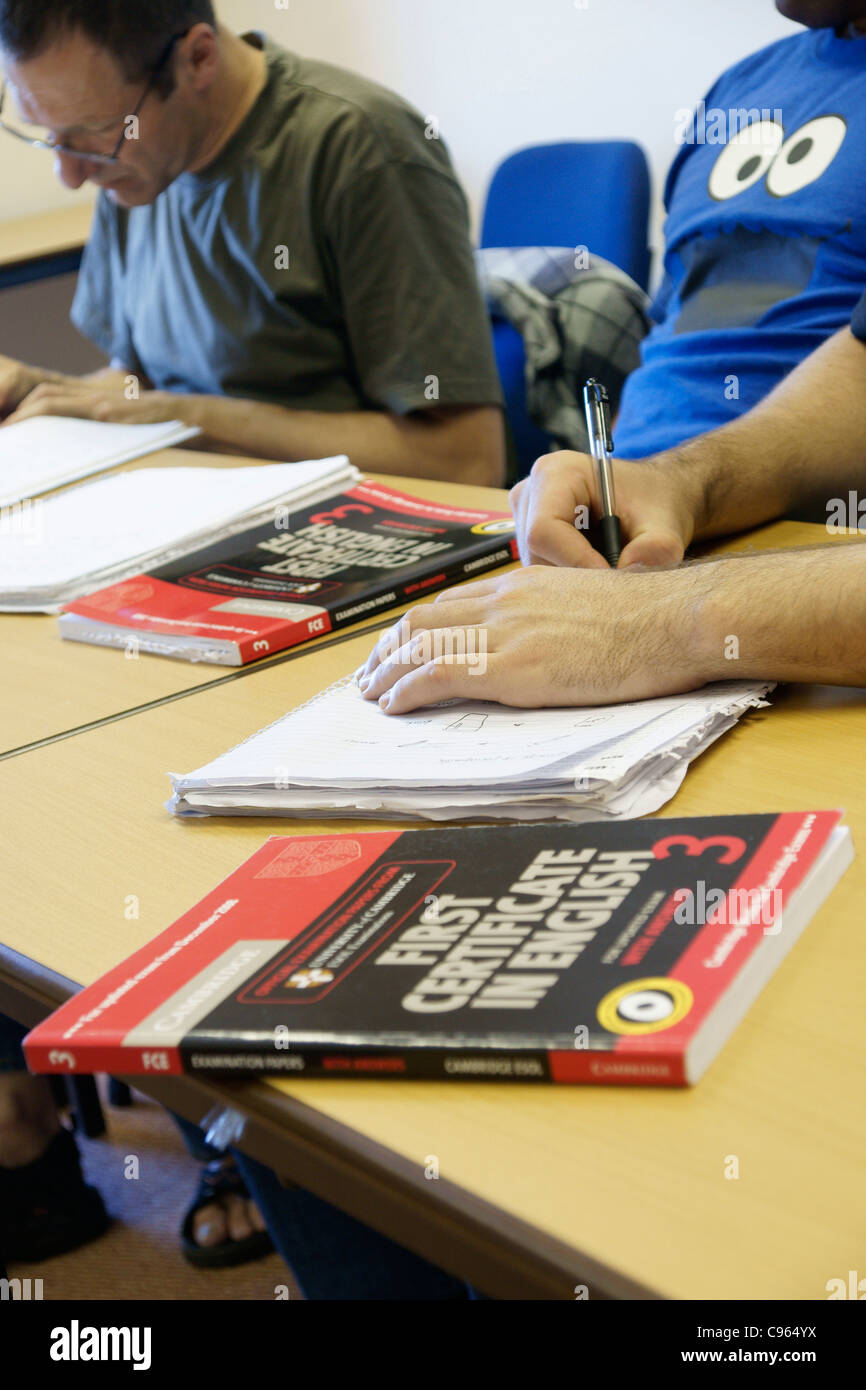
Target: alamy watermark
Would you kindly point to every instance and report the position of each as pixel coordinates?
(846, 513)
(712, 125)
(21, 1290)
(458, 646)
(738, 907)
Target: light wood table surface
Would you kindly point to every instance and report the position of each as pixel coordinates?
(51, 687)
(44, 234)
(541, 1187)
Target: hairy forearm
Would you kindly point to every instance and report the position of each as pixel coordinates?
(806, 440)
(460, 445)
(797, 615)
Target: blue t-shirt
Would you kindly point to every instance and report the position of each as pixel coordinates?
(765, 239)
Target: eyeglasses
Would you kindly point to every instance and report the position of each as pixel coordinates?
(45, 142)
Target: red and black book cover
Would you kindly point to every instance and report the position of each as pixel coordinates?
(302, 574)
(599, 953)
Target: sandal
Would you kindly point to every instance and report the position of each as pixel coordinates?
(48, 1209)
(221, 1179)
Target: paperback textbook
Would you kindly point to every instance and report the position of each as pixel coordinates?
(623, 954)
(299, 575)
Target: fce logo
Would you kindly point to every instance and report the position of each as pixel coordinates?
(155, 1061)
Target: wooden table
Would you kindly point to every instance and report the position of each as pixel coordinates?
(50, 243)
(541, 1189)
(52, 688)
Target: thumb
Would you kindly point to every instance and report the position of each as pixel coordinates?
(654, 547)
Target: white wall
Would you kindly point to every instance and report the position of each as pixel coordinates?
(504, 73)
(498, 73)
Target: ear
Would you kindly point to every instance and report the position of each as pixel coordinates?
(198, 58)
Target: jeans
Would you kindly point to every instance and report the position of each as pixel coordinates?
(332, 1256)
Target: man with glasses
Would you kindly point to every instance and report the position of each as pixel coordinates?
(280, 255)
(43, 140)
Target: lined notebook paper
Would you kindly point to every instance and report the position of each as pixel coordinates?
(51, 451)
(104, 531)
(340, 755)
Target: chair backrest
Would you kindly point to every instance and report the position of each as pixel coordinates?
(593, 193)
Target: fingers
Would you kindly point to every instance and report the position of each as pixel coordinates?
(654, 549)
(457, 612)
(452, 646)
(409, 687)
(16, 380)
(554, 511)
(9, 399)
(554, 507)
(519, 501)
(60, 400)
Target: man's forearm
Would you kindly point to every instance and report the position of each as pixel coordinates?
(463, 444)
(807, 439)
(746, 625)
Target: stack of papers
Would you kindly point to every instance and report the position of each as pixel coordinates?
(105, 531)
(50, 451)
(340, 755)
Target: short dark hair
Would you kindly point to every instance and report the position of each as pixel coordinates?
(136, 32)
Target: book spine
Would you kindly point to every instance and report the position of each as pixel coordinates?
(411, 1064)
(585, 1067)
(401, 1064)
(435, 1064)
(292, 635)
(69, 1059)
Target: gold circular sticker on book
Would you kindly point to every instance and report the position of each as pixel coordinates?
(503, 527)
(645, 1006)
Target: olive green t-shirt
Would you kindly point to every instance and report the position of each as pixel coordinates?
(321, 262)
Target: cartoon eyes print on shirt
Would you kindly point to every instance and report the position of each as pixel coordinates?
(745, 159)
(805, 155)
(761, 149)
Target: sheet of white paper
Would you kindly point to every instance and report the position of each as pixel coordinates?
(645, 789)
(342, 739)
(114, 527)
(50, 451)
(339, 749)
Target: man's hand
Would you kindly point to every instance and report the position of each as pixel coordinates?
(16, 382)
(549, 637)
(92, 400)
(555, 504)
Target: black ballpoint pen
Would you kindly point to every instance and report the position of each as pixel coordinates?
(597, 404)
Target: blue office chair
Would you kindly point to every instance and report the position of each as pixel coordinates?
(593, 193)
